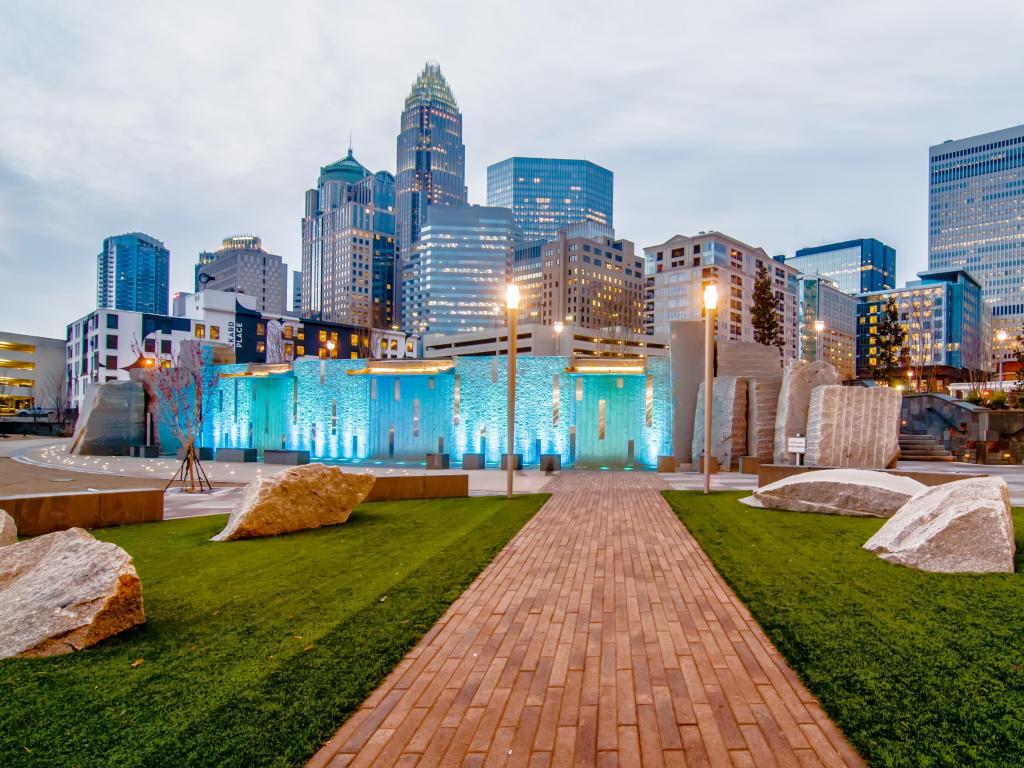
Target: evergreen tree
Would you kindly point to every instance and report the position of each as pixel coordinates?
(890, 338)
(763, 315)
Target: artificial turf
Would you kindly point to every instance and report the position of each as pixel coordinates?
(253, 652)
(917, 669)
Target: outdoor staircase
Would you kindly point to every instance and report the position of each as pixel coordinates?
(922, 448)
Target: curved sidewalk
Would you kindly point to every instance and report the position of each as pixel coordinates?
(601, 635)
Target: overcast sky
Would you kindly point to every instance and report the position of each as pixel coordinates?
(784, 124)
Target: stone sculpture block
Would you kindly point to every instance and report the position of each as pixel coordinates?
(854, 492)
(853, 427)
(112, 418)
(798, 381)
(728, 421)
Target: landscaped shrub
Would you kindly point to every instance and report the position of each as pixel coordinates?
(973, 397)
(996, 400)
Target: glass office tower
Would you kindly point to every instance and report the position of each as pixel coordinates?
(454, 279)
(975, 210)
(431, 166)
(133, 273)
(855, 266)
(548, 194)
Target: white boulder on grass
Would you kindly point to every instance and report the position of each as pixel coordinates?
(854, 492)
(63, 592)
(308, 496)
(8, 529)
(959, 527)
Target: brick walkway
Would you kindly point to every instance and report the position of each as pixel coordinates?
(601, 635)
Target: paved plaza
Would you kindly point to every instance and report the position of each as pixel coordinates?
(601, 635)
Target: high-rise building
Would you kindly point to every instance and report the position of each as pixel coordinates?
(547, 194)
(348, 246)
(946, 320)
(975, 215)
(431, 167)
(820, 300)
(133, 273)
(590, 282)
(678, 269)
(241, 265)
(296, 291)
(454, 279)
(855, 266)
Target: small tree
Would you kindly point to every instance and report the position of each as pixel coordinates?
(182, 384)
(763, 314)
(1018, 356)
(54, 389)
(890, 338)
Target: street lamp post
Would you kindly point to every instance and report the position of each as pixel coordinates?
(512, 303)
(559, 327)
(710, 302)
(323, 361)
(819, 326)
(1000, 338)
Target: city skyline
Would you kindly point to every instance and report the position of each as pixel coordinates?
(765, 149)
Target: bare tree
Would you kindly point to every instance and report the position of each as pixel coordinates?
(182, 384)
(54, 389)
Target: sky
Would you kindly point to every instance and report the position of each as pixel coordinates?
(784, 123)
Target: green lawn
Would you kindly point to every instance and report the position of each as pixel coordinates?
(254, 652)
(917, 669)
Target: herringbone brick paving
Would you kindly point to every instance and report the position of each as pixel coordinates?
(601, 635)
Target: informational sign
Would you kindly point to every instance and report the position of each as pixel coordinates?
(796, 444)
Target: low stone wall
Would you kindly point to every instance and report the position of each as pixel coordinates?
(41, 513)
(397, 488)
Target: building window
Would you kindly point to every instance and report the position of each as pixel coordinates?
(112, 361)
(288, 332)
(165, 347)
(200, 331)
(111, 321)
(261, 347)
(261, 329)
(300, 350)
(111, 342)
(214, 331)
(149, 345)
(323, 336)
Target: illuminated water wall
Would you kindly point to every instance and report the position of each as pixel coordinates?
(590, 419)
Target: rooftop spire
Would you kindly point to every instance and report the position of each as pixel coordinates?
(431, 85)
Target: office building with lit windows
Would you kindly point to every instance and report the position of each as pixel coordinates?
(820, 300)
(348, 246)
(678, 269)
(855, 266)
(976, 219)
(241, 265)
(133, 273)
(947, 323)
(431, 167)
(454, 279)
(548, 194)
(590, 282)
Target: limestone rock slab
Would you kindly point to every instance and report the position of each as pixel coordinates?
(799, 379)
(762, 407)
(8, 529)
(854, 492)
(853, 427)
(112, 418)
(63, 592)
(308, 496)
(959, 527)
(728, 421)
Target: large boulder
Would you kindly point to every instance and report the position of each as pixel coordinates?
(111, 419)
(854, 492)
(799, 379)
(303, 497)
(728, 421)
(63, 592)
(8, 529)
(853, 427)
(959, 527)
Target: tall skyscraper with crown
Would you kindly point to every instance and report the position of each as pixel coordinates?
(431, 168)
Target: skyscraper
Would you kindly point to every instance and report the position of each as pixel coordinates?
(133, 273)
(548, 194)
(348, 246)
(454, 280)
(855, 266)
(241, 265)
(821, 300)
(975, 210)
(431, 167)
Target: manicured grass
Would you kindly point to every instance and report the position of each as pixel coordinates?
(254, 652)
(917, 669)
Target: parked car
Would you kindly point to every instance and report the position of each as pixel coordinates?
(35, 411)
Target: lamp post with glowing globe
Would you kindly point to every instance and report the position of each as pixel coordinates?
(512, 304)
(1000, 338)
(710, 303)
(819, 326)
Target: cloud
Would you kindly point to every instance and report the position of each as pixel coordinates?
(785, 123)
